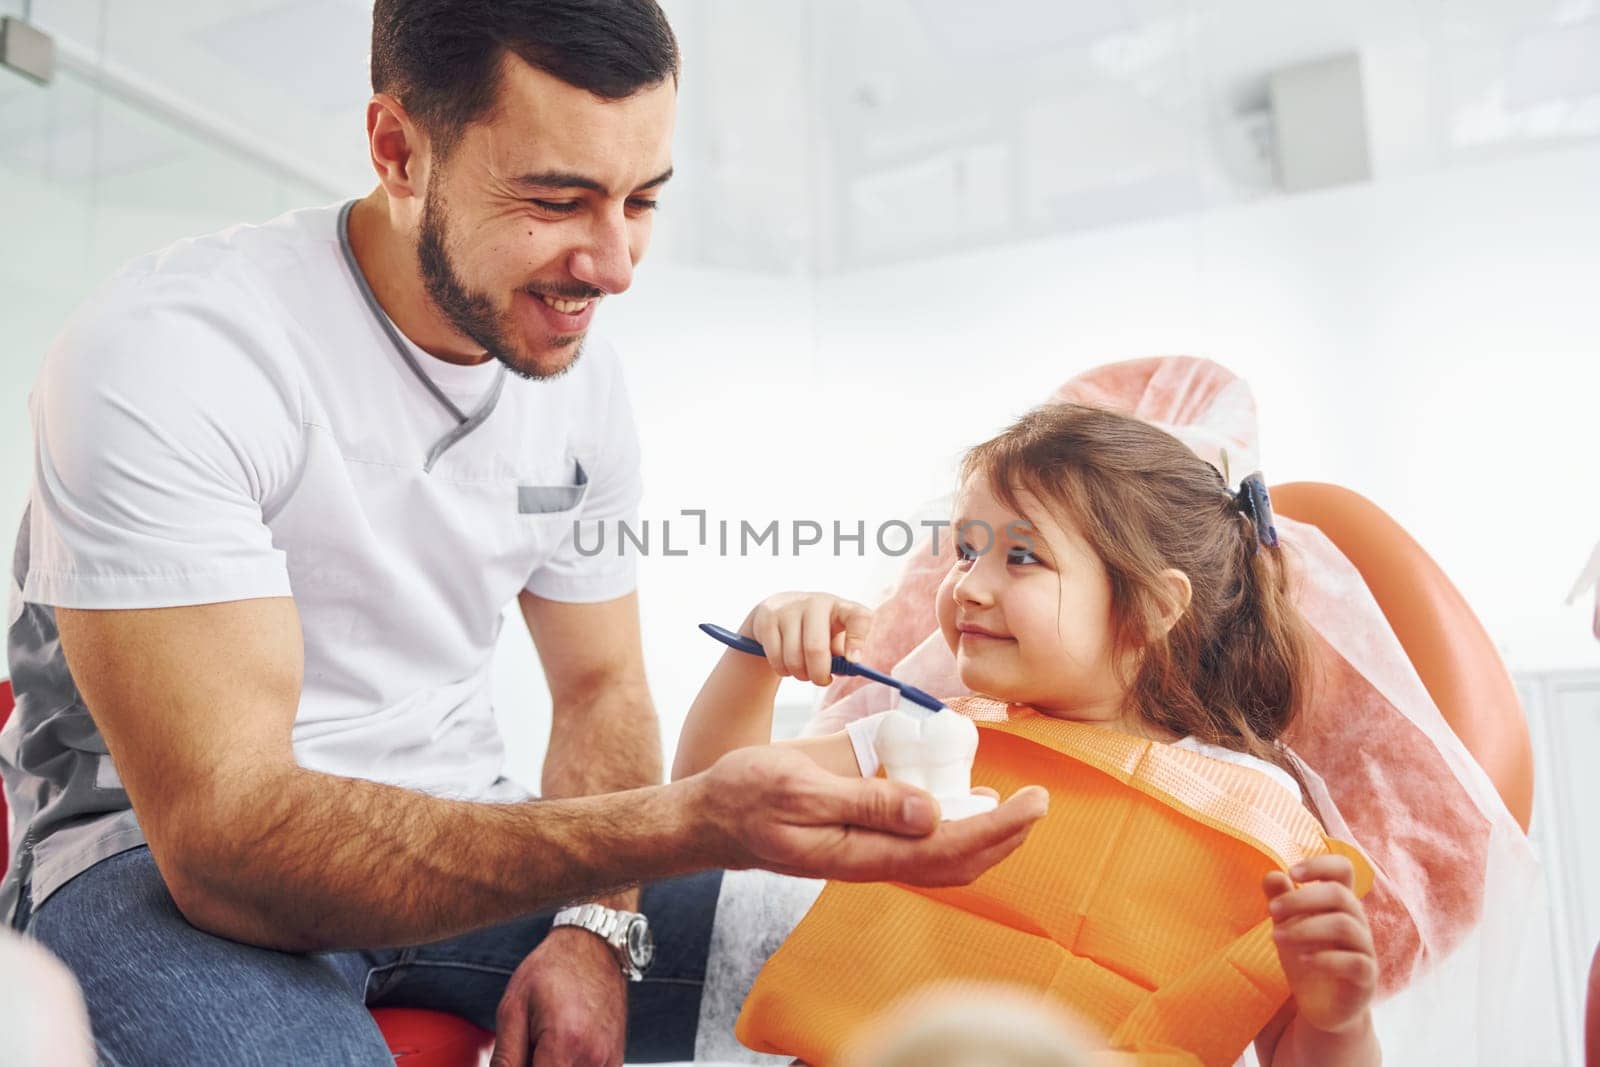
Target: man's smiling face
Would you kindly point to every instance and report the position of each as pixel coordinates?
(540, 210)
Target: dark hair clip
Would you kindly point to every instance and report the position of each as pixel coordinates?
(1254, 500)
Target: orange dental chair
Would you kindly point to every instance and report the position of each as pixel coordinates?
(1444, 640)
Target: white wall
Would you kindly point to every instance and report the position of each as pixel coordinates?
(1431, 342)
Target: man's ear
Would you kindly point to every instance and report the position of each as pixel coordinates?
(1176, 594)
(397, 148)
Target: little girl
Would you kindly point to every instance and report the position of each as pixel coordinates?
(1124, 621)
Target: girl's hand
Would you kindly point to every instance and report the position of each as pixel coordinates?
(1323, 941)
(802, 632)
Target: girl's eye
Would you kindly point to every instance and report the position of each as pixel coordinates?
(557, 207)
(965, 552)
(1021, 557)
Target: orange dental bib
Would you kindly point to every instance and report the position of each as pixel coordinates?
(1136, 902)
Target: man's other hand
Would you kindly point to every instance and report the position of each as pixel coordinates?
(565, 1006)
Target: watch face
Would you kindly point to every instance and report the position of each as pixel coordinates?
(641, 943)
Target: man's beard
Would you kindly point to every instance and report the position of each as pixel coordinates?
(473, 314)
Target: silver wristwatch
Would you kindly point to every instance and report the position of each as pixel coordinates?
(627, 932)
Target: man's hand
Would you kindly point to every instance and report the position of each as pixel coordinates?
(1324, 942)
(775, 808)
(566, 1006)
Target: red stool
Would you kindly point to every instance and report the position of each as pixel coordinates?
(1591, 1022)
(418, 1038)
(422, 1038)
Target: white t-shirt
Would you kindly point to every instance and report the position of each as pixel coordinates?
(863, 734)
(234, 417)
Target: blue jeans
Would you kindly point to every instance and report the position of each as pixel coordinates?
(162, 992)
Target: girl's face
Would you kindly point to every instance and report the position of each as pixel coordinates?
(1027, 609)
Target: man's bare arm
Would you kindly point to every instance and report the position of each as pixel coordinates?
(196, 706)
(604, 735)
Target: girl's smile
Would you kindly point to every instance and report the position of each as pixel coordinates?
(1026, 608)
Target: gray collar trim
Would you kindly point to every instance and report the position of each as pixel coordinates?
(465, 423)
(470, 423)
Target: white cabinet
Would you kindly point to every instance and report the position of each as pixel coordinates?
(1564, 721)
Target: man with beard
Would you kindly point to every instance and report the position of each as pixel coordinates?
(286, 478)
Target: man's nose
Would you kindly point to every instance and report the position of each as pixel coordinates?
(605, 260)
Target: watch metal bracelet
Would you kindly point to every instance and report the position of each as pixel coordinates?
(609, 925)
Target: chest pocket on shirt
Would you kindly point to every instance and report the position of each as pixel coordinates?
(553, 499)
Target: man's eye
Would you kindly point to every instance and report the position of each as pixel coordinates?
(558, 207)
(644, 205)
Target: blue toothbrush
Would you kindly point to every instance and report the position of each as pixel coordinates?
(841, 665)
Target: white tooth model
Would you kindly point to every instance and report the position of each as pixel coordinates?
(933, 750)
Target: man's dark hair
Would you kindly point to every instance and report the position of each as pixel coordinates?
(441, 58)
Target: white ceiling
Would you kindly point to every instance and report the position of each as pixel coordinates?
(834, 133)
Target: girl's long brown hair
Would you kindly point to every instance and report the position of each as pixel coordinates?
(1235, 668)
